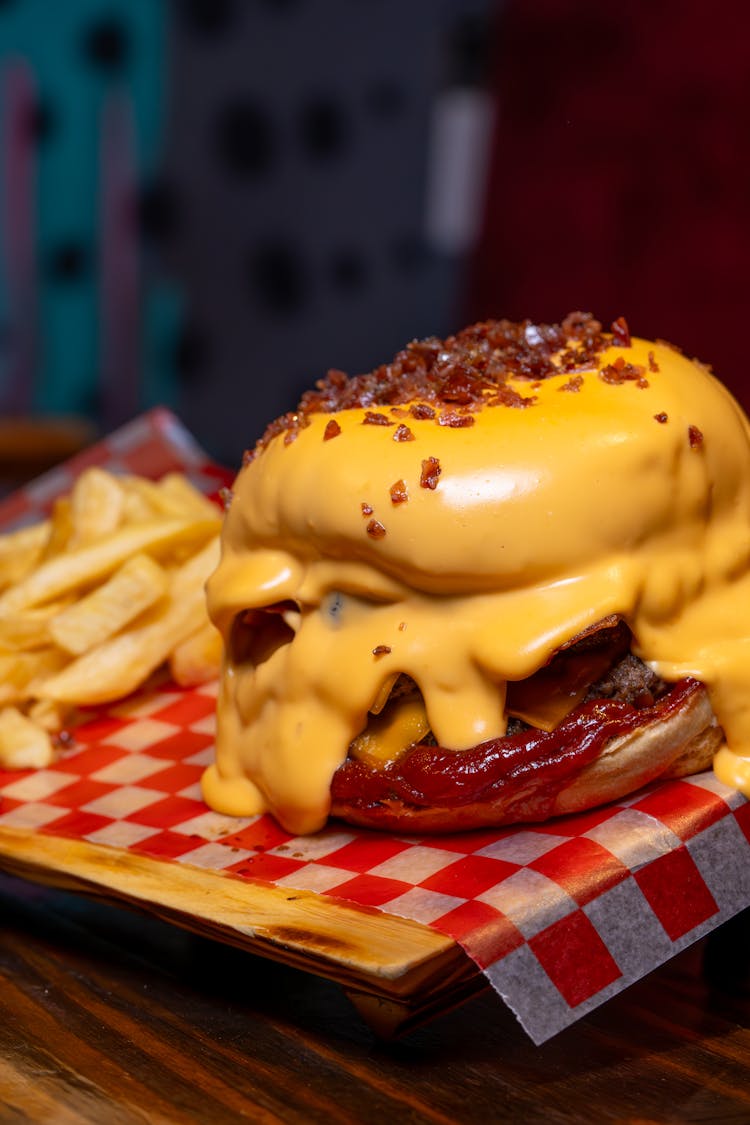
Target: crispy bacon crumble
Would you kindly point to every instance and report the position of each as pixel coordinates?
(431, 470)
(621, 333)
(399, 492)
(574, 383)
(623, 372)
(455, 420)
(449, 380)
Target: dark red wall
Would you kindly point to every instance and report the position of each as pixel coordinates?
(620, 181)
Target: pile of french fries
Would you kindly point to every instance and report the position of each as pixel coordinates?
(98, 597)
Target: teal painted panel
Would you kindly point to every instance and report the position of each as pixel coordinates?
(79, 55)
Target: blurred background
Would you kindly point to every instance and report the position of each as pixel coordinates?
(207, 203)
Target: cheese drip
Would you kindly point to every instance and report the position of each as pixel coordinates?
(624, 499)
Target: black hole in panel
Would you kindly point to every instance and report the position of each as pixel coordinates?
(158, 211)
(277, 275)
(323, 128)
(244, 138)
(410, 253)
(348, 270)
(106, 44)
(44, 120)
(207, 17)
(469, 51)
(385, 99)
(68, 261)
(191, 352)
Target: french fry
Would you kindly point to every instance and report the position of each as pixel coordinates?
(108, 608)
(79, 569)
(60, 529)
(96, 506)
(120, 665)
(172, 496)
(138, 505)
(96, 598)
(29, 628)
(48, 715)
(142, 500)
(20, 551)
(20, 672)
(197, 659)
(23, 744)
(183, 498)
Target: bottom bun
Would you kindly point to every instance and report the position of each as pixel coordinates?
(602, 752)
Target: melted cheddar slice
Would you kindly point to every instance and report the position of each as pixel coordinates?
(391, 732)
(624, 499)
(544, 699)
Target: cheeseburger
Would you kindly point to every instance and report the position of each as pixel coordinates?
(504, 577)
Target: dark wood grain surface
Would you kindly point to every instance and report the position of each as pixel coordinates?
(113, 1018)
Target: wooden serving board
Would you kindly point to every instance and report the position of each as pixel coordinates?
(408, 926)
(396, 972)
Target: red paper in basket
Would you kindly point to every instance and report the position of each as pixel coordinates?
(559, 916)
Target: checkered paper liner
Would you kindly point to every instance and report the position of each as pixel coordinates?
(559, 917)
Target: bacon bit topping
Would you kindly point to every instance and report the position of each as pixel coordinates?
(399, 492)
(401, 626)
(249, 456)
(507, 396)
(621, 333)
(367, 509)
(574, 383)
(623, 372)
(652, 364)
(375, 529)
(372, 418)
(661, 417)
(225, 496)
(403, 433)
(291, 435)
(333, 429)
(470, 369)
(461, 384)
(430, 472)
(695, 437)
(381, 650)
(455, 420)
(337, 378)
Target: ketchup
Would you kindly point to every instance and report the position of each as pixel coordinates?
(431, 776)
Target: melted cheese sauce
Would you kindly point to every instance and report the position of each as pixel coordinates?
(544, 521)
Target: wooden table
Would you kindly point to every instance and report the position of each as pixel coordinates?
(113, 1018)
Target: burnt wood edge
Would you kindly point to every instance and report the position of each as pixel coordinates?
(396, 971)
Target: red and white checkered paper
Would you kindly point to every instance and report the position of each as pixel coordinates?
(560, 916)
